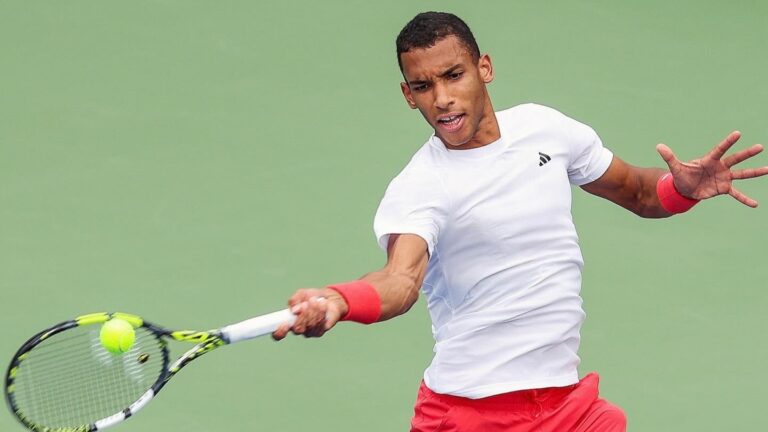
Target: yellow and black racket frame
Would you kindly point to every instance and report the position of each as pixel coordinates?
(206, 341)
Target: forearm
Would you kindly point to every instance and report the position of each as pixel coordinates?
(631, 187)
(396, 285)
(398, 291)
(642, 198)
(377, 296)
(393, 292)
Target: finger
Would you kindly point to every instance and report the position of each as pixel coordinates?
(299, 308)
(318, 307)
(327, 315)
(281, 332)
(298, 327)
(668, 155)
(298, 297)
(329, 323)
(319, 302)
(295, 298)
(311, 318)
(302, 318)
(743, 155)
(740, 197)
(749, 173)
(314, 318)
(314, 332)
(309, 315)
(332, 317)
(724, 145)
(319, 310)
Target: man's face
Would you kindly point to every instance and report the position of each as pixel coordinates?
(448, 88)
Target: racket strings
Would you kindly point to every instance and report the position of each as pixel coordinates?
(71, 380)
(109, 376)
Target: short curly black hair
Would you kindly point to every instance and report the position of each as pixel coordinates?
(427, 28)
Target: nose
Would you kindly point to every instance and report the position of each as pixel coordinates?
(443, 97)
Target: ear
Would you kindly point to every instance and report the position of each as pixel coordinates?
(486, 68)
(408, 95)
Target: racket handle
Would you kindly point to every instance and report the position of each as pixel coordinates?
(259, 326)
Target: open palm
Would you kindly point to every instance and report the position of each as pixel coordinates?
(711, 175)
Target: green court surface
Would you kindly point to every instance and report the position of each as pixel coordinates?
(195, 162)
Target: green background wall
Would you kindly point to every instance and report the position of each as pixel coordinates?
(194, 162)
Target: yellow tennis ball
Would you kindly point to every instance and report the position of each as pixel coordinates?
(117, 336)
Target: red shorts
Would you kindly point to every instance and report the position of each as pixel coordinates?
(576, 408)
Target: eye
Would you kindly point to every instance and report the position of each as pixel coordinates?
(455, 75)
(419, 87)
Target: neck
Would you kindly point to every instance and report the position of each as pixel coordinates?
(487, 130)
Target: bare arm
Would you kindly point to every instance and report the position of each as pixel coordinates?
(399, 281)
(631, 187)
(397, 284)
(635, 188)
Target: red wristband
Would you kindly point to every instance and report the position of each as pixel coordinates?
(670, 198)
(363, 301)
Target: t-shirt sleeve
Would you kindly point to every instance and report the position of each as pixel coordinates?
(588, 158)
(414, 203)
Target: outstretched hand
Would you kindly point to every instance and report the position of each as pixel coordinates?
(711, 175)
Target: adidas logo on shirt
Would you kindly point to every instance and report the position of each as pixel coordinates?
(543, 158)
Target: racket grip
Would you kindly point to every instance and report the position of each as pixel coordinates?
(258, 326)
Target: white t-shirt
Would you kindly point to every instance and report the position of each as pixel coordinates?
(504, 273)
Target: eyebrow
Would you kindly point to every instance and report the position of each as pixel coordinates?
(444, 74)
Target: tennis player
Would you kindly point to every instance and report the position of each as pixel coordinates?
(480, 221)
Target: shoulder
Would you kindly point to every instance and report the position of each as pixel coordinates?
(422, 169)
(536, 118)
(530, 112)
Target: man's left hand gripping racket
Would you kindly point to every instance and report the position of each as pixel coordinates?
(64, 380)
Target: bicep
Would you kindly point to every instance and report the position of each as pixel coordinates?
(614, 184)
(407, 255)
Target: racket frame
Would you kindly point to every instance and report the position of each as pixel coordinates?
(205, 342)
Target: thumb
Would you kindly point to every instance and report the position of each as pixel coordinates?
(332, 316)
(668, 155)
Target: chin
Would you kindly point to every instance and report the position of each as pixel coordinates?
(456, 140)
(454, 143)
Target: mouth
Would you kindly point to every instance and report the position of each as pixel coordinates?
(450, 123)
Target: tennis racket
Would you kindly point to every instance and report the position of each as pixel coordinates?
(64, 380)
